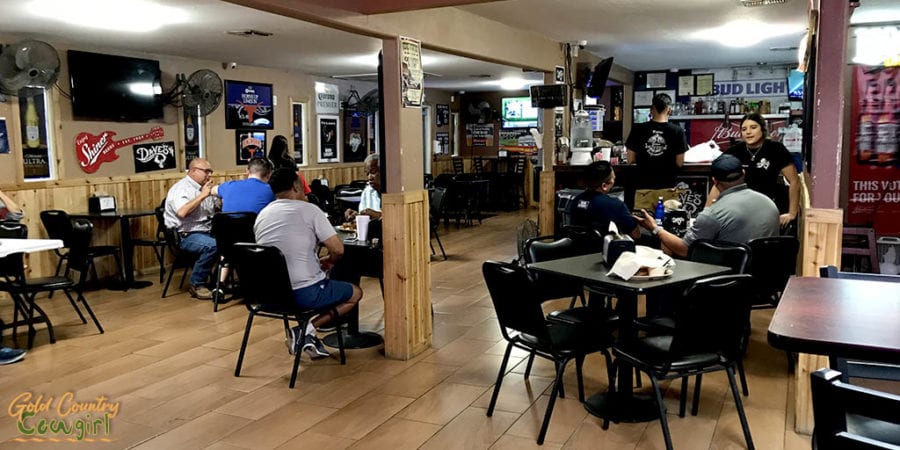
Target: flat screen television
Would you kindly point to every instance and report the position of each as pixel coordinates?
(595, 83)
(518, 113)
(109, 87)
(795, 85)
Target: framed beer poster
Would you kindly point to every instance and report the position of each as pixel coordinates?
(298, 128)
(328, 132)
(249, 105)
(36, 149)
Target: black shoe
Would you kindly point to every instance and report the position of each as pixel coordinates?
(314, 347)
(290, 339)
(10, 355)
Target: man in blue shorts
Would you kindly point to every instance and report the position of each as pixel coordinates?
(296, 227)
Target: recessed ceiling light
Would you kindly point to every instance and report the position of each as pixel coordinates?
(729, 34)
(116, 15)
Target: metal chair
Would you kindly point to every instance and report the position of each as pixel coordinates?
(436, 208)
(523, 325)
(774, 261)
(229, 229)
(708, 337)
(852, 417)
(158, 243)
(268, 293)
(59, 226)
(183, 259)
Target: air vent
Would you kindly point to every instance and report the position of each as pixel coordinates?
(481, 75)
(249, 33)
(783, 49)
(752, 3)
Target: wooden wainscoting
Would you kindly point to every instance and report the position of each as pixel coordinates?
(407, 274)
(131, 192)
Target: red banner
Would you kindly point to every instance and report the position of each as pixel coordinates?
(874, 185)
(94, 150)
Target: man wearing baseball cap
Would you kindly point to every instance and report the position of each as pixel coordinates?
(739, 215)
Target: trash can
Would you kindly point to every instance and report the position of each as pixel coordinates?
(889, 255)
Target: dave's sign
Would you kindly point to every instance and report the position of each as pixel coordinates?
(751, 88)
(94, 150)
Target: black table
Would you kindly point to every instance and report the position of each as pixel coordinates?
(124, 217)
(623, 405)
(838, 318)
(361, 258)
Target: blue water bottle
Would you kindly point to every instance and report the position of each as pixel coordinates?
(660, 213)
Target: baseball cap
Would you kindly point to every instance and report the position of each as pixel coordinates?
(727, 168)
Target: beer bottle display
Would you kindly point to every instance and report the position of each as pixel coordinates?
(190, 131)
(32, 125)
(865, 137)
(886, 127)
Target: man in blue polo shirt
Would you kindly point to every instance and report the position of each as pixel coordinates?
(252, 194)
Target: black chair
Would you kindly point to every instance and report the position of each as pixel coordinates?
(545, 248)
(158, 242)
(59, 226)
(436, 208)
(459, 167)
(774, 261)
(708, 337)
(182, 259)
(359, 184)
(852, 417)
(523, 325)
(79, 259)
(229, 229)
(854, 368)
(268, 293)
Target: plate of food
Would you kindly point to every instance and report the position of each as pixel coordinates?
(348, 227)
(646, 274)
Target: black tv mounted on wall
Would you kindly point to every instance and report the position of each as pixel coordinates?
(117, 88)
(595, 84)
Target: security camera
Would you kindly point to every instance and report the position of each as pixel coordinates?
(582, 44)
(229, 65)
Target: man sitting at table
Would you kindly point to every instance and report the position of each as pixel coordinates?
(370, 199)
(251, 194)
(189, 209)
(9, 210)
(595, 209)
(739, 215)
(296, 227)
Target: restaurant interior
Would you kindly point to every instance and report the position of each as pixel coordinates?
(104, 103)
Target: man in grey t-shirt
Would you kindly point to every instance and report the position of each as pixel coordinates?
(296, 227)
(739, 215)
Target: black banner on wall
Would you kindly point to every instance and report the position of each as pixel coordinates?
(154, 156)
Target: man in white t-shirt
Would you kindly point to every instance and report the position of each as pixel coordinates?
(370, 198)
(296, 227)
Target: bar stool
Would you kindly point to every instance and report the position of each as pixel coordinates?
(860, 241)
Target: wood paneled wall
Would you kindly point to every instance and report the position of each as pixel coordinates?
(131, 192)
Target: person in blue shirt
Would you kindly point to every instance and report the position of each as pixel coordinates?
(251, 194)
(595, 209)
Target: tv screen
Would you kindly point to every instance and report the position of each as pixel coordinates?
(109, 87)
(518, 113)
(596, 83)
(795, 85)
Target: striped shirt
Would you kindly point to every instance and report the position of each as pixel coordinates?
(198, 220)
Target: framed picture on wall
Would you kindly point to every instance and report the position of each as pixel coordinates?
(442, 115)
(356, 136)
(249, 105)
(249, 144)
(37, 148)
(298, 130)
(328, 130)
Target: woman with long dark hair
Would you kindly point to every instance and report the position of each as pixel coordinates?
(765, 161)
(280, 155)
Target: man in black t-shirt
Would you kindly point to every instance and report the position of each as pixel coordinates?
(657, 147)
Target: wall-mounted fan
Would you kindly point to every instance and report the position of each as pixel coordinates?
(27, 63)
(202, 91)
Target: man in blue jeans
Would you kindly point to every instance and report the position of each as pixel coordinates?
(297, 227)
(190, 207)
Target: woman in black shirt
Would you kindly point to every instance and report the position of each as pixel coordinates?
(765, 160)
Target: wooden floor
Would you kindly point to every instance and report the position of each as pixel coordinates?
(169, 364)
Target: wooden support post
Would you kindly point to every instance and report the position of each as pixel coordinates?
(547, 215)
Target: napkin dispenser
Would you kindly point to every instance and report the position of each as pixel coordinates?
(101, 203)
(614, 245)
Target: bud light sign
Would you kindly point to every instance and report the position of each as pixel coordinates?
(751, 88)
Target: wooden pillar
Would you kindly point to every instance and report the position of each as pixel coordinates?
(547, 192)
(830, 100)
(407, 261)
(822, 230)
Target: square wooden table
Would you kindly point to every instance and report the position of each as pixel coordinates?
(623, 405)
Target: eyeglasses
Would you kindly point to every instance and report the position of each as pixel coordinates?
(208, 171)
